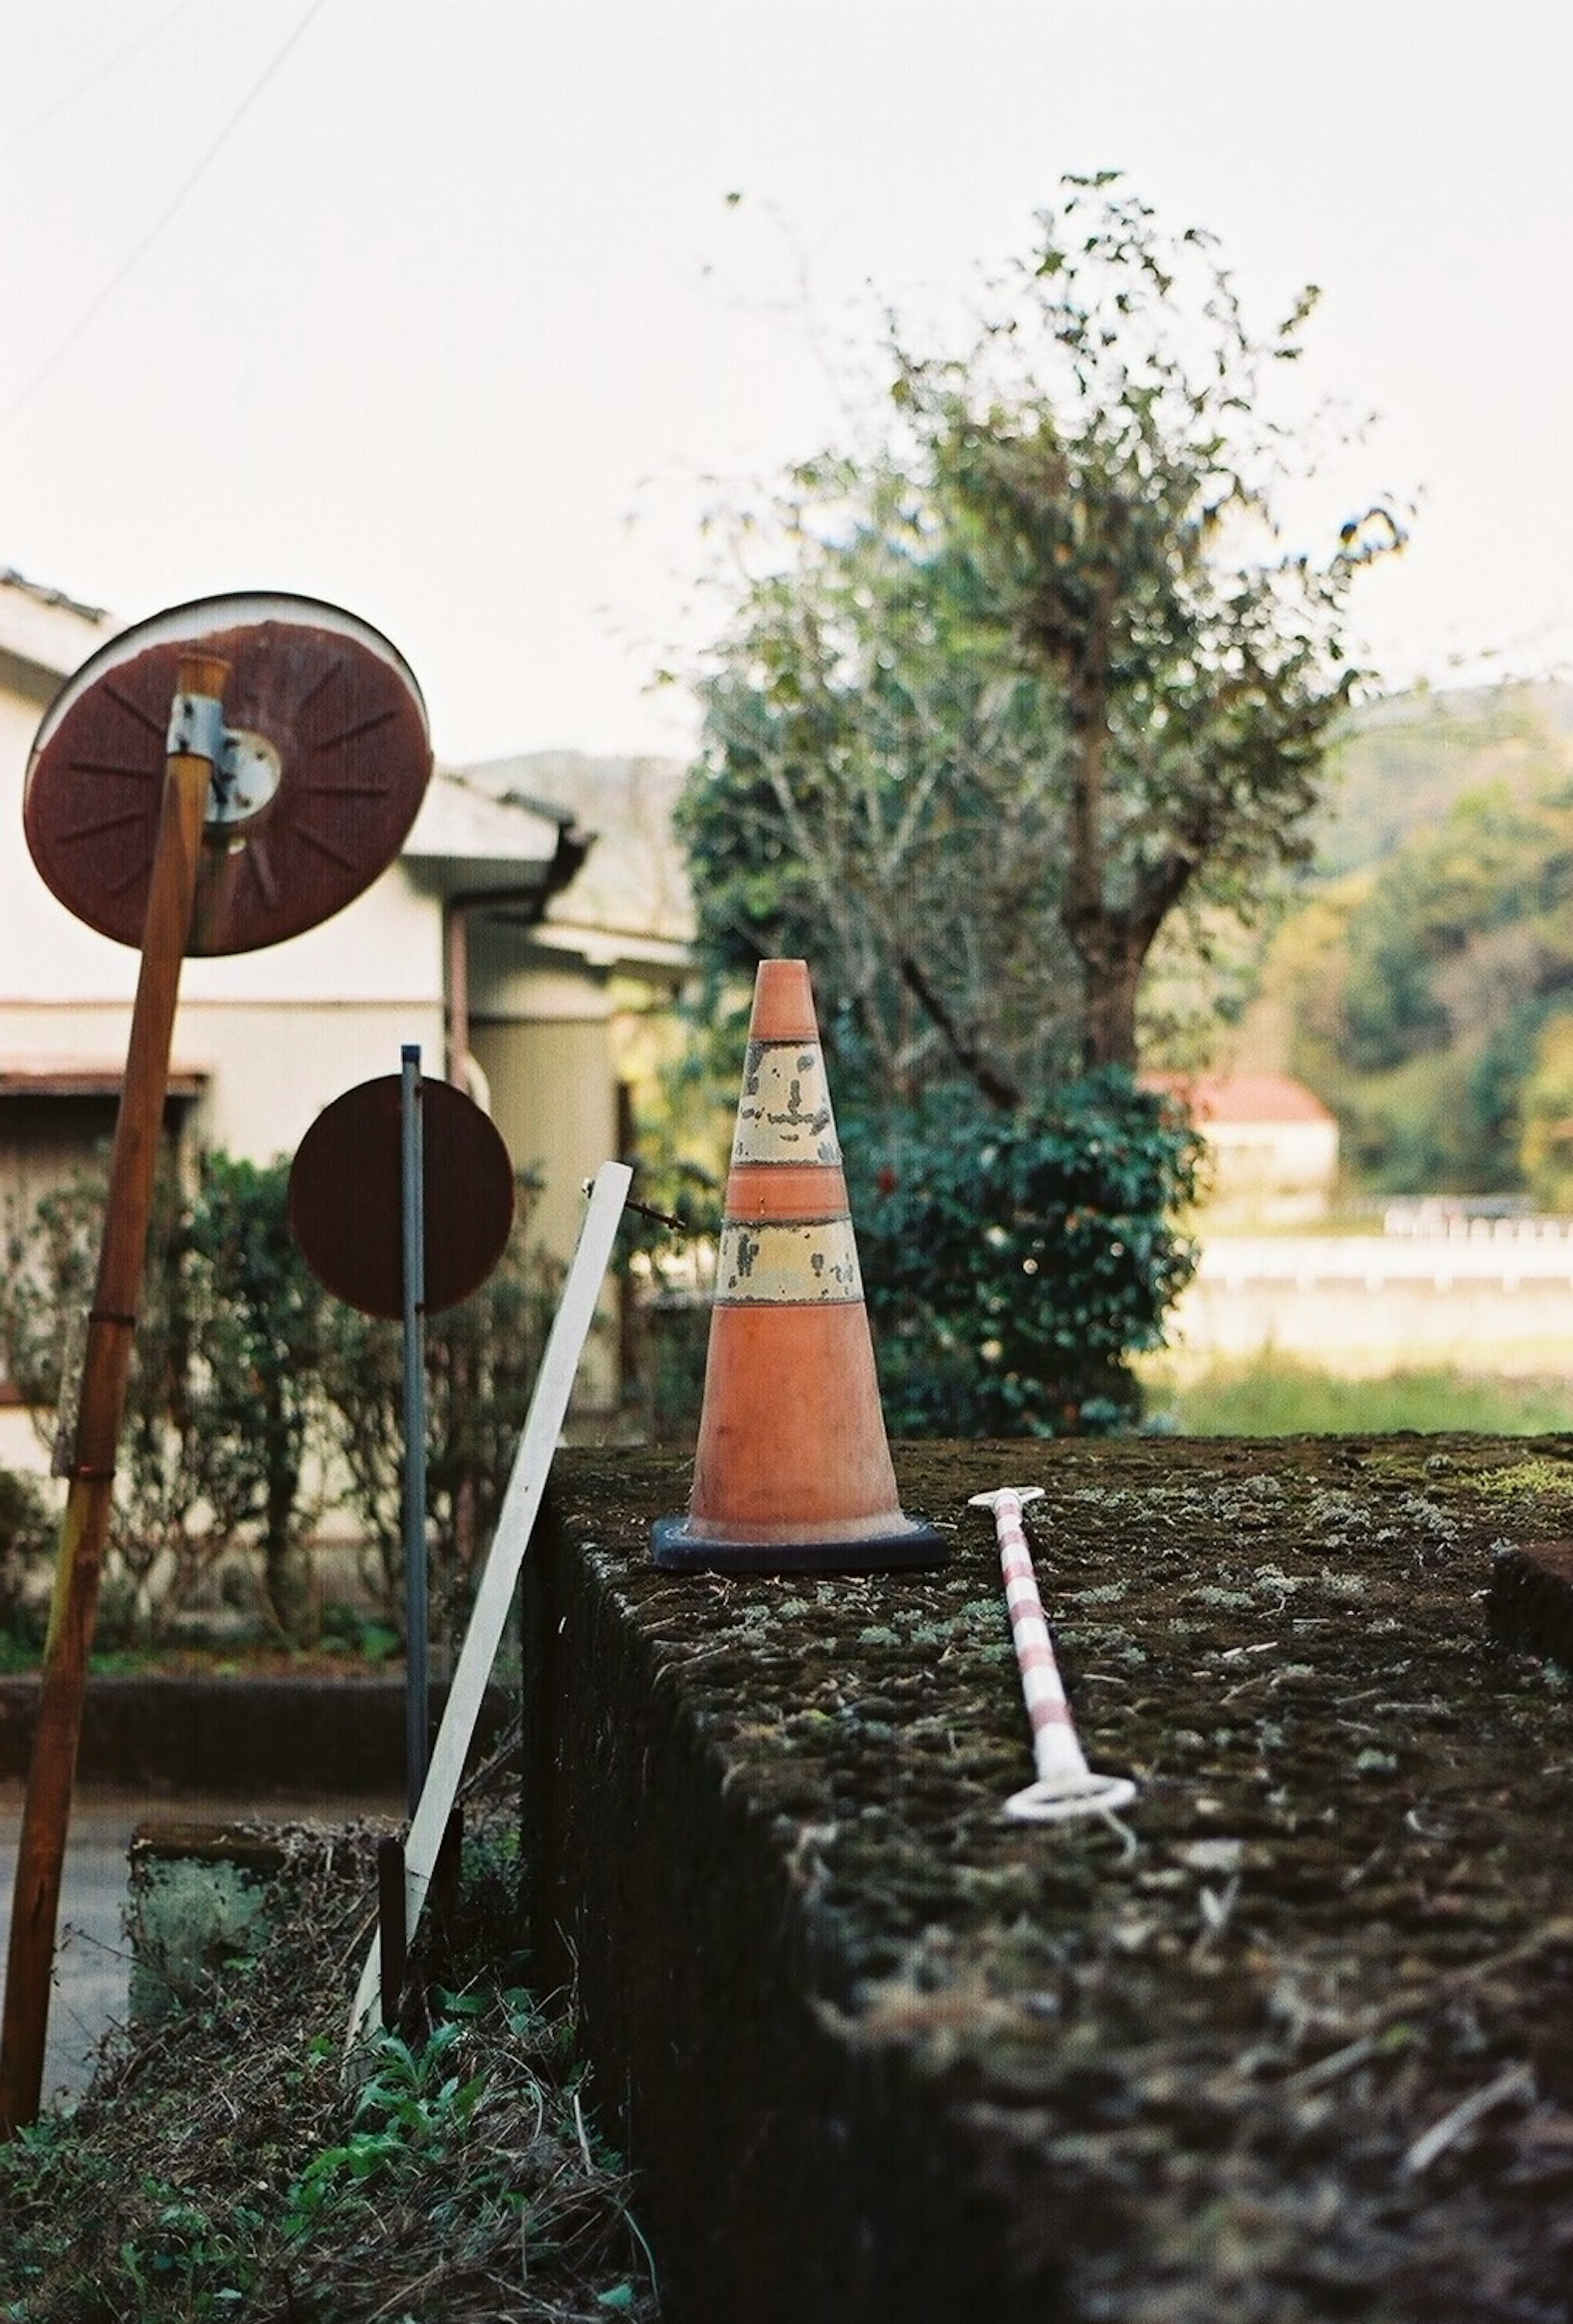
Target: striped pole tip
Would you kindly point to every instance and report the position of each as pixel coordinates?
(1056, 1798)
(1065, 1784)
(792, 1469)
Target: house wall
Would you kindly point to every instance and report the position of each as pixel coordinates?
(274, 1036)
(542, 1030)
(1281, 1172)
(278, 1033)
(554, 1098)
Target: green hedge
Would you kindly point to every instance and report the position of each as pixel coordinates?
(1014, 1262)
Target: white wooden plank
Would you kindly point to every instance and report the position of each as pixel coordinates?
(515, 1522)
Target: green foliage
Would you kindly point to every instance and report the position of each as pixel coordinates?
(1547, 1113)
(1399, 766)
(1273, 1395)
(265, 1325)
(874, 796)
(1030, 674)
(26, 1539)
(1013, 1263)
(406, 2112)
(253, 1395)
(219, 1418)
(190, 1922)
(1025, 683)
(224, 2168)
(481, 1360)
(1420, 1004)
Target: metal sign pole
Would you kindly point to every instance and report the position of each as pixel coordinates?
(412, 1185)
(194, 741)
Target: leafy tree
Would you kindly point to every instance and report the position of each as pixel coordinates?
(1547, 1153)
(1030, 675)
(1401, 764)
(1420, 991)
(1023, 685)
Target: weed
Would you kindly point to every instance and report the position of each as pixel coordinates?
(221, 2167)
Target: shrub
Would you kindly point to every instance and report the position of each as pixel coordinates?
(1014, 1262)
(26, 1539)
(481, 1360)
(252, 1392)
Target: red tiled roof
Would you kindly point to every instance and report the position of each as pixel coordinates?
(1241, 1097)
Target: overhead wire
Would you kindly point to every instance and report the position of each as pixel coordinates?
(99, 73)
(171, 209)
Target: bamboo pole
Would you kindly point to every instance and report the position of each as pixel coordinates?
(111, 1329)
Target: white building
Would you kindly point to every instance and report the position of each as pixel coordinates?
(506, 940)
(1271, 1145)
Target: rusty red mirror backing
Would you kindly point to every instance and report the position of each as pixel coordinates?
(328, 758)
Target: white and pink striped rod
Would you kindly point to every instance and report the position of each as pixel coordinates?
(1065, 1785)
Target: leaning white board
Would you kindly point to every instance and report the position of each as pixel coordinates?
(515, 1522)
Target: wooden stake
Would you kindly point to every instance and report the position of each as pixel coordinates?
(392, 1938)
(111, 1328)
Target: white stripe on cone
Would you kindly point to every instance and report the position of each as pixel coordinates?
(811, 1260)
(783, 1115)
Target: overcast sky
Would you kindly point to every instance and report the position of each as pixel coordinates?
(439, 309)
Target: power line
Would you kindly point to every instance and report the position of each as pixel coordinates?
(100, 72)
(51, 364)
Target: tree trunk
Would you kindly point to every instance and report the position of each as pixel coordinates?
(1108, 1036)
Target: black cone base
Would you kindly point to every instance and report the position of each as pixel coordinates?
(909, 1542)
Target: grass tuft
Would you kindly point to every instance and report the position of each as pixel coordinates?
(1274, 1396)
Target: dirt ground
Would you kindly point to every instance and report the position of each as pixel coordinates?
(1293, 2037)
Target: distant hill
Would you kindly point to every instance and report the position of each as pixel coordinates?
(1401, 763)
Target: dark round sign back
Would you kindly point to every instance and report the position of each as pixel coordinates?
(347, 1199)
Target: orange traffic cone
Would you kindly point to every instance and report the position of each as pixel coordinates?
(792, 1469)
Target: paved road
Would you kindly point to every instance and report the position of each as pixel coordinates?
(91, 1966)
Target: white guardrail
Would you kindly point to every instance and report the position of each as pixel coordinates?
(1512, 1253)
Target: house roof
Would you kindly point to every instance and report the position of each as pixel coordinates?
(634, 882)
(46, 631)
(1235, 1099)
(475, 836)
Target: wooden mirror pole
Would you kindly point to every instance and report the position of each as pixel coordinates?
(196, 730)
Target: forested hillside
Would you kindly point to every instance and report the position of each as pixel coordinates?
(1399, 764)
(1426, 983)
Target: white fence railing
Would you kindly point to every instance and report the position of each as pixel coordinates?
(1510, 1253)
(1429, 1222)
